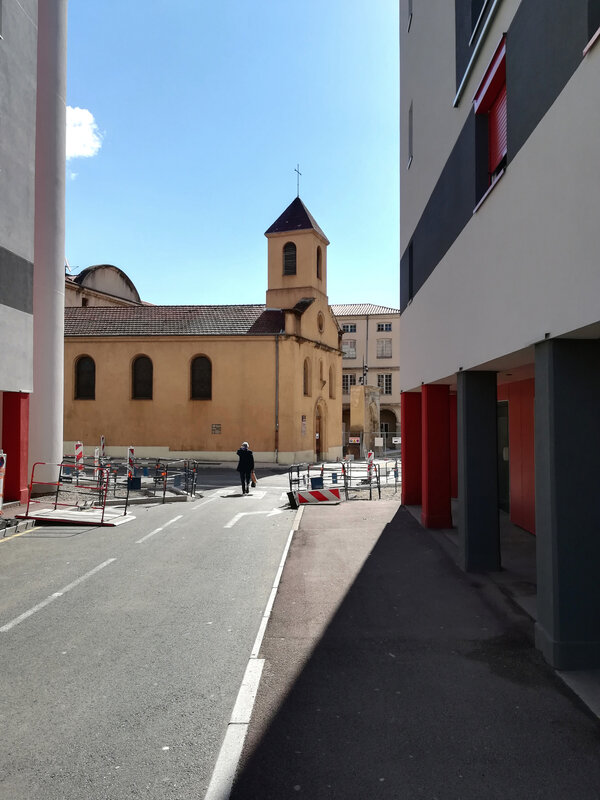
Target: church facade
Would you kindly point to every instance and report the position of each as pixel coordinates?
(196, 381)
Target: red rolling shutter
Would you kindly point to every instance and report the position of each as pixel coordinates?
(497, 130)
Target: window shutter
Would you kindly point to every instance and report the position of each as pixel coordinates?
(497, 130)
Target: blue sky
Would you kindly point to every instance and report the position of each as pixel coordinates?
(187, 119)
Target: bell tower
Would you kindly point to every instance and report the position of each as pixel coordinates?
(297, 258)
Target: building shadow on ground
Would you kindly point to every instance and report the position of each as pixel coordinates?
(424, 684)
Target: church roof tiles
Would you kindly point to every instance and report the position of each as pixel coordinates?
(360, 309)
(252, 320)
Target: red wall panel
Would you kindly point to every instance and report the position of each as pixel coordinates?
(520, 396)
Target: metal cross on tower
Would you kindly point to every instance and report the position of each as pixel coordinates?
(297, 170)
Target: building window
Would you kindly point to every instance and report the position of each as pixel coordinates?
(85, 378)
(141, 378)
(289, 258)
(490, 107)
(410, 271)
(384, 348)
(306, 378)
(477, 9)
(384, 326)
(331, 382)
(384, 382)
(348, 380)
(84, 302)
(320, 322)
(349, 327)
(319, 269)
(349, 348)
(410, 136)
(201, 378)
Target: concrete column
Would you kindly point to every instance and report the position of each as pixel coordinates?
(478, 528)
(46, 411)
(567, 477)
(410, 447)
(15, 443)
(435, 411)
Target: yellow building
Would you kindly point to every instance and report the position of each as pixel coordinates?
(196, 381)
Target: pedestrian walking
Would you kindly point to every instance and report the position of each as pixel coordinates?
(245, 466)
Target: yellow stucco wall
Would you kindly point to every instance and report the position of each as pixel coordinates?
(243, 397)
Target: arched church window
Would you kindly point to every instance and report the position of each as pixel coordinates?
(319, 263)
(331, 382)
(201, 378)
(85, 378)
(141, 378)
(289, 258)
(306, 377)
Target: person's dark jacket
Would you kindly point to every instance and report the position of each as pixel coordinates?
(246, 462)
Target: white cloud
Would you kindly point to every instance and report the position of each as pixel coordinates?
(84, 139)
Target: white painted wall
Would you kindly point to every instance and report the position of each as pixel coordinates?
(528, 263)
(16, 337)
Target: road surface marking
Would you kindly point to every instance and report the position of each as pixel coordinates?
(228, 759)
(54, 596)
(158, 530)
(238, 517)
(14, 535)
(196, 506)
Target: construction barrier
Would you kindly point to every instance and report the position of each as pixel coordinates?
(78, 455)
(330, 496)
(130, 461)
(2, 474)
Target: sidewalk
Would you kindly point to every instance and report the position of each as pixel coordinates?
(389, 673)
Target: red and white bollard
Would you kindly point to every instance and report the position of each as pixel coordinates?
(370, 464)
(78, 456)
(130, 455)
(96, 461)
(2, 474)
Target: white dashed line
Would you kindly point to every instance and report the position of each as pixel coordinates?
(54, 596)
(223, 775)
(158, 530)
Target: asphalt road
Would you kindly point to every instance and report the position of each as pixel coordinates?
(122, 649)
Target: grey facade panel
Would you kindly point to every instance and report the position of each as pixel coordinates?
(16, 281)
(545, 43)
(449, 209)
(544, 48)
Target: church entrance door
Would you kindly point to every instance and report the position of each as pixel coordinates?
(318, 435)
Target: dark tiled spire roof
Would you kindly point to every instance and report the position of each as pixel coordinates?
(296, 217)
(252, 320)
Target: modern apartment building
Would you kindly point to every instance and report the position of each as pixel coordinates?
(499, 284)
(32, 181)
(371, 347)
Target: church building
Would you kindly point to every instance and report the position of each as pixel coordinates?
(196, 381)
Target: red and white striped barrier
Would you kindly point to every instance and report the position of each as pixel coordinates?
(130, 464)
(330, 496)
(79, 455)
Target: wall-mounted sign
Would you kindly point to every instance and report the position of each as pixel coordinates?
(396, 439)
(379, 441)
(215, 428)
(354, 440)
